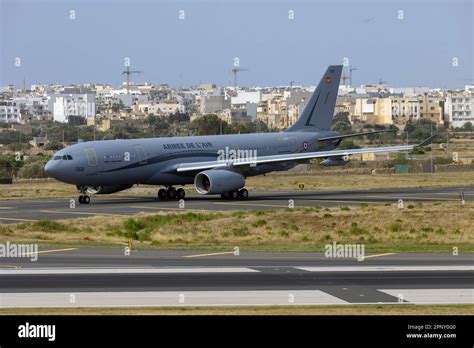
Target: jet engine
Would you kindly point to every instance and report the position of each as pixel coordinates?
(218, 181)
(105, 190)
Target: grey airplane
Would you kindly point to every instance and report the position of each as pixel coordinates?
(214, 164)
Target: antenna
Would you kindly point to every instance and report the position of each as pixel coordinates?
(129, 72)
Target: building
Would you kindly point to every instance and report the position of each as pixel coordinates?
(66, 105)
(244, 97)
(459, 107)
(214, 103)
(9, 112)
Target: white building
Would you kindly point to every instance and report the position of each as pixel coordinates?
(9, 112)
(167, 107)
(73, 105)
(459, 107)
(244, 97)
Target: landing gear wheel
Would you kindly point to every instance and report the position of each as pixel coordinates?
(180, 193)
(243, 194)
(171, 193)
(234, 194)
(162, 194)
(225, 195)
(84, 199)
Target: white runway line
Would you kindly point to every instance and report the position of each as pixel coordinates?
(433, 296)
(41, 271)
(168, 298)
(387, 268)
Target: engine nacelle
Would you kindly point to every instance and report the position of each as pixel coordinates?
(105, 190)
(217, 181)
(329, 162)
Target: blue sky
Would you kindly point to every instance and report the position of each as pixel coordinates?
(417, 50)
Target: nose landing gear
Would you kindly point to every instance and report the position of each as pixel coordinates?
(83, 198)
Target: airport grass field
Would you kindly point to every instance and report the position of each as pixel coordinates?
(418, 227)
(255, 310)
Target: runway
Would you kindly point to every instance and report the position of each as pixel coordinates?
(107, 277)
(15, 211)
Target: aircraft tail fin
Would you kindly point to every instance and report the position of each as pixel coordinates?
(319, 111)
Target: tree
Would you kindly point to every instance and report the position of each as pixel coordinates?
(341, 123)
(420, 129)
(54, 146)
(210, 124)
(468, 127)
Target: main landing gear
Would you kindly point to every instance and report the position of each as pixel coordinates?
(238, 194)
(171, 193)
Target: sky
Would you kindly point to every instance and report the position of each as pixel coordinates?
(405, 43)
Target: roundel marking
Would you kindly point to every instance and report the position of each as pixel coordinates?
(305, 145)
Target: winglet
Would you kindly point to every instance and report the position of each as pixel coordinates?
(426, 141)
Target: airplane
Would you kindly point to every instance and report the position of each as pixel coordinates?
(214, 164)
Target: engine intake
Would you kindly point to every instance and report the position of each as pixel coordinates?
(217, 181)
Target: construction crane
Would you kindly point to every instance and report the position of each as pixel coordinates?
(236, 70)
(346, 78)
(351, 69)
(129, 72)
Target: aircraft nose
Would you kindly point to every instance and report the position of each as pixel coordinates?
(50, 168)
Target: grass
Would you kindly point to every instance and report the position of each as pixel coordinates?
(405, 309)
(426, 227)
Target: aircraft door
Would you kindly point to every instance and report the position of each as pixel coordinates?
(141, 154)
(91, 156)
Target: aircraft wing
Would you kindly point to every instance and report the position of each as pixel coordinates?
(185, 167)
(343, 136)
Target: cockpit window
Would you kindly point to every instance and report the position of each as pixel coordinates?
(63, 157)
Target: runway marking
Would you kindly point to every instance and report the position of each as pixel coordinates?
(407, 198)
(171, 298)
(66, 270)
(337, 201)
(82, 213)
(15, 219)
(211, 254)
(376, 255)
(168, 208)
(386, 268)
(5, 208)
(433, 296)
(49, 251)
(249, 204)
